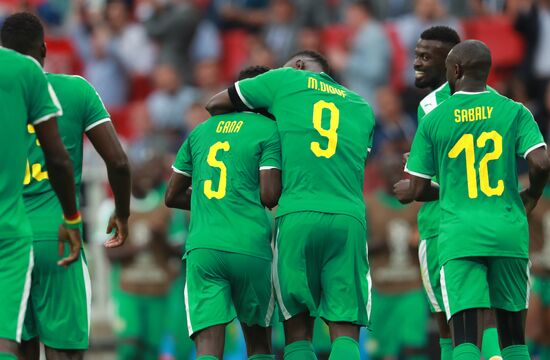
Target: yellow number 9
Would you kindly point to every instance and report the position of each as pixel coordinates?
(211, 160)
(329, 133)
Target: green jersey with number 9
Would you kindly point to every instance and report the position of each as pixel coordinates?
(470, 142)
(224, 156)
(326, 133)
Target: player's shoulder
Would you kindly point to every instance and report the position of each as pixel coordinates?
(73, 81)
(13, 61)
(435, 98)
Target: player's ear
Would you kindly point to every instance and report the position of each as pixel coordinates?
(43, 50)
(300, 64)
(459, 71)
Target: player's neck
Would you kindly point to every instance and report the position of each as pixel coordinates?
(471, 86)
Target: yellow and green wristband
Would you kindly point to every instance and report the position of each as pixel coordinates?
(73, 221)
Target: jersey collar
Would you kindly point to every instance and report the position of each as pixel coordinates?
(472, 93)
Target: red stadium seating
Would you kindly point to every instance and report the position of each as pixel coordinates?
(398, 58)
(335, 37)
(140, 87)
(235, 52)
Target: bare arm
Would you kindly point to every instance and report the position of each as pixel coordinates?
(539, 169)
(270, 187)
(220, 104)
(178, 193)
(105, 141)
(417, 188)
(60, 173)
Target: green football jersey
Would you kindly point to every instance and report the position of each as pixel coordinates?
(470, 142)
(430, 212)
(26, 97)
(82, 110)
(326, 132)
(224, 157)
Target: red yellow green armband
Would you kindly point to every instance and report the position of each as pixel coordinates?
(73, 221)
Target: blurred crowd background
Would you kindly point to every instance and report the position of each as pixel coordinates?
(156, 62)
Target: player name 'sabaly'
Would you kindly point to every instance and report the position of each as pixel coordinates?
(315, 84)
(227, 127)
(473, 114)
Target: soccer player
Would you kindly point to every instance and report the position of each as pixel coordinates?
(233, 163)
(399, 309)
(470, 142)
(28, 100)
(59, 306)
(320, 258)
(429, 66)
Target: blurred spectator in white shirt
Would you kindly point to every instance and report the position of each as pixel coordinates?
(281, 32)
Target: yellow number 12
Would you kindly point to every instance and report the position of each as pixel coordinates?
(466, 144)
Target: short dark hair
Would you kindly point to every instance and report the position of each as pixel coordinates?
(315, 56)
(252, 71)
(444, 34)
(21, 32)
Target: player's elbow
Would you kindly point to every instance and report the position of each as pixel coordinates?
(270, 199)
(119, 164)
(170, 198)
(270, 187)
(541, 166)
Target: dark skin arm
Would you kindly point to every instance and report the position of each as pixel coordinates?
(539, 169)
(417, 188)
(60, 173)
(220, 104)
(178, 193)
(104, 139)
(270, 187)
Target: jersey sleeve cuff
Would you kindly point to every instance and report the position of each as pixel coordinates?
(47, 117)
(417, 174)
(99, 122)
(241, 96)
(178, 171)
(268, 167)
(534, 147)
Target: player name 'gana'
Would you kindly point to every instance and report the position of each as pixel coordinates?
(473, 114)
(227, 127)
(315, 84)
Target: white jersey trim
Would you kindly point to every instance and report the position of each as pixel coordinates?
(444, 293)
(276, 282)
(420, 175)
(186, 301)
(238, 88)
(99, 122)
(425, 274)
(181, 172)
(24, 298)
(534, 147)
(88, 289)
(269, 167)
(472, 92)
(430, 101)
(47, 117)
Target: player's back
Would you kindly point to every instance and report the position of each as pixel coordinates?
(476, 139)
(21, 101)
(82, 109)
(224, 156)
(326, 132)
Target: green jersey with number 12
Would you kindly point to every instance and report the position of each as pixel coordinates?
(224, 156)
(470, 142)
(326, 132)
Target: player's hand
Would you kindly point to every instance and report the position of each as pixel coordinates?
(120, 226)
(529, 201)
(405, 158)
(401, 191)
(71, 236)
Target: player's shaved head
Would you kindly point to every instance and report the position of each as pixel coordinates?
(309, 60)
(24, 33)
(468, 65)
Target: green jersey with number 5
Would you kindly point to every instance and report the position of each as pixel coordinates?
(471, 142)
(224, 156)
(82, 111)
(326, 132)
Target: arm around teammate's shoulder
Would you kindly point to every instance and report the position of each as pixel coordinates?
(104, 139)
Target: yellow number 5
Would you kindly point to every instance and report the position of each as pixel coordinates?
(213, 162)
(466, 144)
(36, 169)
(329, 133)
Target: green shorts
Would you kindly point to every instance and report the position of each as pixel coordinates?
(397, 319)
(223, 285)
(485, 282)
(60, 299)
(541, 287)
(429, 270)
(15, 281)
(320, 266)
(139, 324)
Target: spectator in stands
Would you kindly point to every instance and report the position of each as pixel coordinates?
(128, 40)
(170, 99)
(208, 79)
(250, 15)
(367, 64)
(261, 54)
(196, 114)
(206, 42)
(533, 22)
(172, 24)
(309, 38)
(393, 124)
(427, 13)
(281, 32)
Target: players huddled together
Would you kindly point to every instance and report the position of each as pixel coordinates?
(295, 139)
